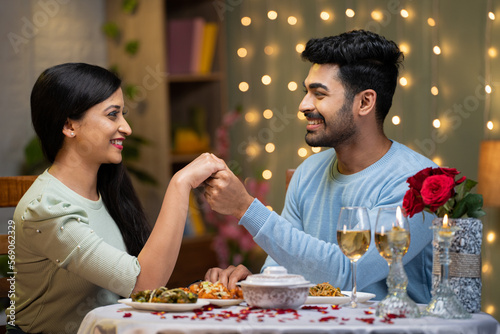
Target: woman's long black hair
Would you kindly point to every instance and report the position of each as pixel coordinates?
(67, 91)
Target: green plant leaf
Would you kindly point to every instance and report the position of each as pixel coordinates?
(464, 188)
(132, 47)
(470, 204)
(111, 30)
(129, 6)
(130, 91)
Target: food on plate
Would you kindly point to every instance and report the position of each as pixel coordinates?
(325, 290)
(165, 295)
(209, 290)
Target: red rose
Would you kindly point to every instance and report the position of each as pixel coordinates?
(452, 172)
(437, 190)
(417, 180)
(412, 202)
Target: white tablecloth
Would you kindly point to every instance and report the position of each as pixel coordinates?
(122, 319)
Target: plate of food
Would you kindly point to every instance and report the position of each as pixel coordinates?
(325, 293)
(224, 302)
(165, 307)
(164, 299)
(216, 293)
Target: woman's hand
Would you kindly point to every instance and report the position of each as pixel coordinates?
(200, 169)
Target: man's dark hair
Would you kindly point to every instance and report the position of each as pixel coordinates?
(366, 61)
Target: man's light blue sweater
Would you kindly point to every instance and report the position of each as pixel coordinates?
(303, 239)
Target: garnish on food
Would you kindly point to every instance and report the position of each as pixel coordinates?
(165, 295)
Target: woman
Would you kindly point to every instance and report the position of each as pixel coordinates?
(80, 230)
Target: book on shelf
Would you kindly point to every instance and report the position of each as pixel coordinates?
(191, 45)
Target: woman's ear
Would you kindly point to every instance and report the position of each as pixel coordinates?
(368, 99)
(68, 129)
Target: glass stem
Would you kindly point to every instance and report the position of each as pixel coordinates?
(354, 295)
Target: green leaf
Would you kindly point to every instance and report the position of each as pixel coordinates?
(129, 6)
(464, 188)
(130, 91)
(132, 47)
(470, 204)
(111, 30)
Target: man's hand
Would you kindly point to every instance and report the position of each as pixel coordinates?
(226, 194)
(229, 276)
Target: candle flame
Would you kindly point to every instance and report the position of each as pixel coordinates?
(445, 221)
(399, 216)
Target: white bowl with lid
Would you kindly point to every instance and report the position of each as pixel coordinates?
(275, 288)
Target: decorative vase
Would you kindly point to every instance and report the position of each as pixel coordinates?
(465, 255)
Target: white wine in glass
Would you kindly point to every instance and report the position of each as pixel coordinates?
(392, 239)
(353, 237)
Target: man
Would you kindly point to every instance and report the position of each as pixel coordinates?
(348, 93)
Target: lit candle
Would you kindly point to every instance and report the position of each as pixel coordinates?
(445, 231)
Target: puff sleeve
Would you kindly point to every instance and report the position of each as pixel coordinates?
(59, 231)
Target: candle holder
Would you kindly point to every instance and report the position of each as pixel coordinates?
(444, 302)
(392, 238)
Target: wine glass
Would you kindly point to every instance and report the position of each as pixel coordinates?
(353, 237)
(392, 239)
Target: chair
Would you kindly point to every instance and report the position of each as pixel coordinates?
(12, 188)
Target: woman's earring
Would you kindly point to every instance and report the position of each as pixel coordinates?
(72, 134)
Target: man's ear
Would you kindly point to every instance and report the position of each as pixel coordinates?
(68, 128)
(367, 100)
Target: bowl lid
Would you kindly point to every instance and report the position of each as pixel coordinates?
(274, 276)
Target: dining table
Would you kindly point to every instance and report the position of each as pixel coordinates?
(310, 318)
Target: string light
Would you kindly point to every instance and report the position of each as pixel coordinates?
(270, 208)
(302, 152)
(486, 268)
(300, 47)
(251, 117)
(324, 16)
(405, 48)
(272, 15)
(437, 50)
(403, 81)
(490, 309)
(242, 52)
(491, 16)
(292, 20)
(489, 125)
(349, 12)
(292, 86)
(438, 161)
(316, 149)
(487, 89)
(267, 174)
(396, 120)
(252, 150)
(268, 50)
(436, 123)
(377, 15)
(246, 21)
(431, 22)
(404, 13)
(243, 86)
(434, 90)
(266, 79)
(270, 147)
(492, 52)
(300, 115)
(268, 114)
(490, 237)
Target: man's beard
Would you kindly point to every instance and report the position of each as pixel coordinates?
(343, 129)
